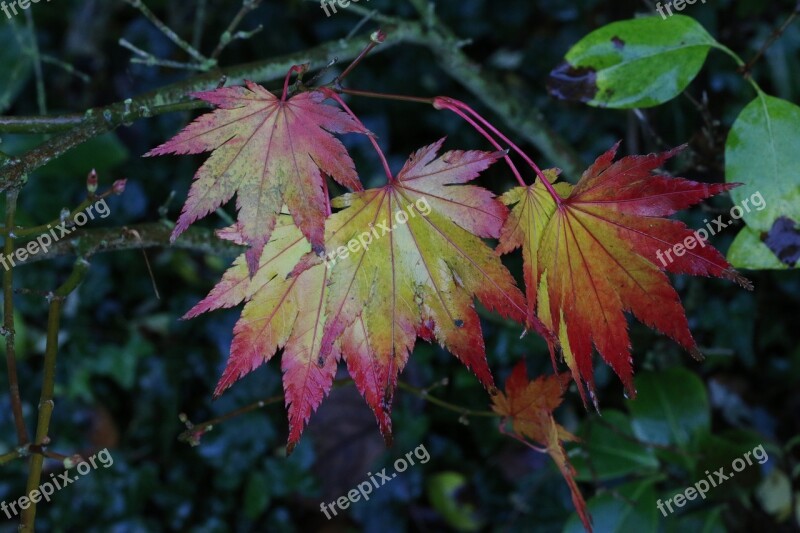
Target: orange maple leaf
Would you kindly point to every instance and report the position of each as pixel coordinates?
(598, 251)
(529, 406)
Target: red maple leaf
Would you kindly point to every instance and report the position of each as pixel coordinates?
(601, 251)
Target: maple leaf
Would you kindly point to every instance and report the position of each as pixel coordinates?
(269, 151)
(529, 405)
(598, 253)
(282, 311)
(417, 277)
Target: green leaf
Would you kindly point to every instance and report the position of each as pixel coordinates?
(611, 454)
(670, 408)
(16, 64)
(443, 491)
(702, 522)
(775, 495)
(715, 451)
(633, 63)
(256, 495)
(630, 507)
(749, 251)
(762, 152)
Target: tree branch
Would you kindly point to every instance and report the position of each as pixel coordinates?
(519, 115)
(446, 47)
(89, 242)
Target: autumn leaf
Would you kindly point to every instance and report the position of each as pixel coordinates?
(601, 252)
(529, 406)
(281, 312)
(417, 271)
(269, 151)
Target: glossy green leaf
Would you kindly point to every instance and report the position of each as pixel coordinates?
(633, 63)
(670, 408)
(630, 507)
(762, 152)
(749, 251)
(609, 449)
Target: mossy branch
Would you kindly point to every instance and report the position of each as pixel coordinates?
(446, 47)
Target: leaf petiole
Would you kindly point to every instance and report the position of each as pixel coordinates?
(334, 96)
(444, 102)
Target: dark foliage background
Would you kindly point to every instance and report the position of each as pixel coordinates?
(128, 367)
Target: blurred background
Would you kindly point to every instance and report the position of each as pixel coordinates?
(128, 367)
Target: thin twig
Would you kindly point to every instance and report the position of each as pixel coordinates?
(463, 411)
(68, 68)
(195, 431)
(199, 22)
(229, 35)
(67, 218)
(167, 31)
(366, 18)
(46, 402)
(146, 58)
(9, 329)
(776, 34)
(10, 456)
(375, 39)
(36, 59)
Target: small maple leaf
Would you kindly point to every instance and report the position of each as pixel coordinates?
(282, 311)
(269, 151)
(529, 405)
(594, 254)
(418, 277)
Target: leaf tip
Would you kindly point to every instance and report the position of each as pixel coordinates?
(290, 446)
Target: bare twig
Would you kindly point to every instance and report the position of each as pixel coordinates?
(46, 402)
(36, 58)
(230, 34)
(167, 31)
(146, 58)
(194, 432)
(70, 69)
(9, 329)
(199, 22)
(463, 411)
(745, 70)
